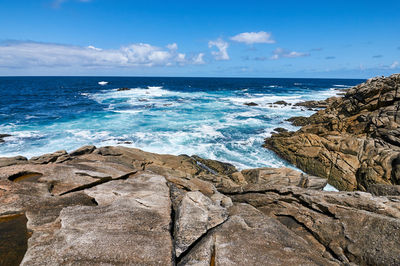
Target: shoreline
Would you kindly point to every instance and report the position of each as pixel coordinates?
(88, 204)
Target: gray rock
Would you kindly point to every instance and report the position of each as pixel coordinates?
(48, 158)
(7, 161)
(195, 215)
(83, 150)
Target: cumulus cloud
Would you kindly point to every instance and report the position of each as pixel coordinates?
(172, 46)
(198, 60)
(253, 37)
(34, 54)
(283, 53)
(222, 46)
(394, 65)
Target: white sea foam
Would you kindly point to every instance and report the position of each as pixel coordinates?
(342, 86)
(215, 125)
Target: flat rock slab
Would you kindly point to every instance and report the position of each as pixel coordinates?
(250, 238)
(131, 225)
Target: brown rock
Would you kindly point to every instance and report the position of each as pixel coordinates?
(354, 142)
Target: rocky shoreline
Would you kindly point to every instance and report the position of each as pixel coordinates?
(124, 206)
(116, 205)
(354, 142)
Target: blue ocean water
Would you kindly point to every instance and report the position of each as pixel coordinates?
(202, 116)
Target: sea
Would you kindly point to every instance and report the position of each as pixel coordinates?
(194, 116)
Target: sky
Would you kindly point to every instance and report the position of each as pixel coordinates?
(299, 39)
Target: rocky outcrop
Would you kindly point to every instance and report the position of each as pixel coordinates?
(121, 206)
(2, 136)
(317, 104)
(354, 142)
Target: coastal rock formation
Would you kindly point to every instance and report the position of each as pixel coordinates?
(115, 205)
(354, 142)
(2, 136)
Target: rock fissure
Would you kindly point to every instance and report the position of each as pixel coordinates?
(198, 240)
(316, 237)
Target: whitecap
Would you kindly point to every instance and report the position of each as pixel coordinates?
(342, 86)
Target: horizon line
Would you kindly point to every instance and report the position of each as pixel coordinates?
(112, 76)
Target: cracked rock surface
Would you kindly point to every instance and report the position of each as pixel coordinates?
(121, 206)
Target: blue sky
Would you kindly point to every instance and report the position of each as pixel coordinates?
(343, 39)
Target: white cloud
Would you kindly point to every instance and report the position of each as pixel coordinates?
(283, 53)
(172, 46)
(94, 48)
(198, 60)
(222, 46)
(394, 65)
(33, 54)
(253, 37)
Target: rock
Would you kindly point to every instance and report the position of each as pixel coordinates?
(265, 177)
(83, 150)
(281, 103)
(354, 142)
(331, 222)
(2, 136)
(215, 167)
(123, 206)
(298, 121)
(195, 215)
(280, 130)
(251, 104)
(123, 89)
(252, 237)
(49, 158)
(7, 161)
(132, 213)
(384, 190)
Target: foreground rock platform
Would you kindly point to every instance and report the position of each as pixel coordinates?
(121, 206)
(354, 142)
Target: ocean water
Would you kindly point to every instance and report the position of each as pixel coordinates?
(202, 116)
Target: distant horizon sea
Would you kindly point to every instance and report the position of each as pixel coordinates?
(194, 116)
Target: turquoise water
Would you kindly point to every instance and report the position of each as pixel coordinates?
(202, 116)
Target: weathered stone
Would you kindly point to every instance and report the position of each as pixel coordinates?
(48, 158)
(123, 206)
(83, 150)
(354, 142)
(195, 215)
(7, 161)
(129, 226)
(332, 221)
(251, 237)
